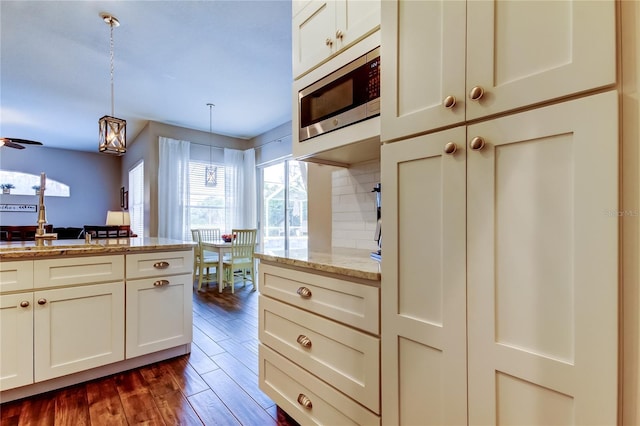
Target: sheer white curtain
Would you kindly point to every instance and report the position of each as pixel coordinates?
(240, 189)
(173, 189)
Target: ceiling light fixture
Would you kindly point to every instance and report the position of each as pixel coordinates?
(113, 131)
(211, 172)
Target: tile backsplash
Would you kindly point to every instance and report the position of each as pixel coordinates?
(354, 205)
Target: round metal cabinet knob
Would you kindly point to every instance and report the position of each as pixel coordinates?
(42, 301)
(328, 42)
(449, 102)
(476, 93)
(24, 304)
(304, 341)
(304, 401)
(339, 34)
(450, 148)
(476, 143)
(304, 292)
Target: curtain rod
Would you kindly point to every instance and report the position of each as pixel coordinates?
(209, 146)
(255, 147)
(270, 142)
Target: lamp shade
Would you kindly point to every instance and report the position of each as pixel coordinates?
(118, 218)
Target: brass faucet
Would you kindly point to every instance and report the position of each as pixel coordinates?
(41, 236)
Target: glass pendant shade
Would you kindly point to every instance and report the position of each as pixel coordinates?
(113, 135)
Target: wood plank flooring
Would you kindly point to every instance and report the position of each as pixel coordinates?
(217, 384)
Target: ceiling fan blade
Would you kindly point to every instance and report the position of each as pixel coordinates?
(8, 143)
(23, 141)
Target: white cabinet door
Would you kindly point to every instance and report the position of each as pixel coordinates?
(16, 275)
(423, 293)
(543, 266)
(325, 27)
(77, 328)
(525, 52)
(159, 314)
(313, 35)
(16, 340)
(355, 19)
(423, 62)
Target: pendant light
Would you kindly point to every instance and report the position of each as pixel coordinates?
(210, 172)
(113, 131)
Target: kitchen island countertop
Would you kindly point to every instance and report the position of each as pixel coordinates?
(17, 250)
(355, 263)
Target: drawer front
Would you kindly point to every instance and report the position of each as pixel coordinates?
(354, 304)
(16, 276)
(78, 270)
(347, 359)
(290, 387)
(158, 264)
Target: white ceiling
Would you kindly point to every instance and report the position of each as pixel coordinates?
(171, 59)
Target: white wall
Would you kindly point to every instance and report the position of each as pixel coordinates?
(93, 178)
(354, 205)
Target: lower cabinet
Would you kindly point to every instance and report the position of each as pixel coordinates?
(159, 314)
(66, 315)
(77, 328)
(320, 346)
(16, 344)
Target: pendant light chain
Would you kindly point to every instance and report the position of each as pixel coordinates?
(111, 57)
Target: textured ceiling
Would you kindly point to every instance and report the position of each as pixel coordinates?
(171, 59)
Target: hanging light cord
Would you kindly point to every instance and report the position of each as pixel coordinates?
(210, 133)
(111, 56)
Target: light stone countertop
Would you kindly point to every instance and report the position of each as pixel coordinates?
(20, 250)
(343, 261)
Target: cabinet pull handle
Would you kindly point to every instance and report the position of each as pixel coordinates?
(477, 143)
(42, 301)
(161, 265)
(339, 34)
(476, 93)
(304, 401)
(449, 102)
(160, 283)
(304, 292)
(304, 341)
(328, 42)
(24, 304)
(450, 148)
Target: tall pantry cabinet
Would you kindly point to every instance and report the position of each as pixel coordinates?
(499, 164)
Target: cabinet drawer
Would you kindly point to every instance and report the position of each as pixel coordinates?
(346, 358)
(354, 304)
(16, 276)
(78, 270)
(159, 263)
(287, 384)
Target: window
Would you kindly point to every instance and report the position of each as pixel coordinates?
(206, 195)
(24, 183)
(284, 206)
(136, 198)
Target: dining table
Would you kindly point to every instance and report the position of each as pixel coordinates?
(221, 247)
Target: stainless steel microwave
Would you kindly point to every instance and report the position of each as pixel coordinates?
(346, 96)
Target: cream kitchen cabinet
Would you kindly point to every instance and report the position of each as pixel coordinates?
(77, 328)
(319, 345)
(499, 294)
(16, 344)
(159, 305)
(70, 319)
(323, 28)
(446, 62)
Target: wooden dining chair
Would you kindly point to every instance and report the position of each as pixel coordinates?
(204, 260)
(240, 263)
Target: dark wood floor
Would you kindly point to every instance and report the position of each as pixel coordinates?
(217, 384)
